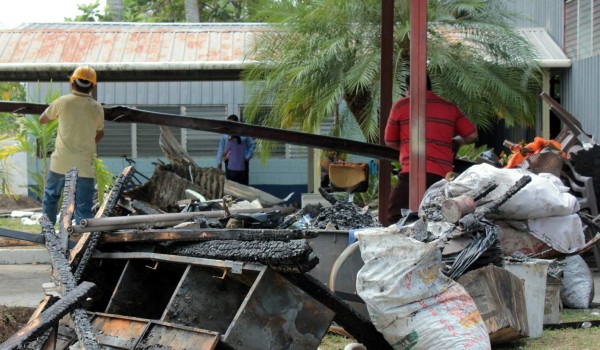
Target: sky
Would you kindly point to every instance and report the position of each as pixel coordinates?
(15, 12)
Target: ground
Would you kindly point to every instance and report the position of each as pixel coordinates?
(21, 202)
(12, 319)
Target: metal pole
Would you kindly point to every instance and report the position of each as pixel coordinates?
(173, 217)
(385, 103)
(418, 84)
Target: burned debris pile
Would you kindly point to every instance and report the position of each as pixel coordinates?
(180, 263)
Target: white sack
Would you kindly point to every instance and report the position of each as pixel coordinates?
(562, 233)
(544, 196)
(409, 300)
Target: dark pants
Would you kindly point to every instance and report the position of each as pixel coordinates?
(245, 179)
(84, 196)
(247, 173)
(235, 175)
(399, 197)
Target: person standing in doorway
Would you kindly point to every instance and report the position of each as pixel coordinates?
(80, 128)
(446, 125)
(250, 149)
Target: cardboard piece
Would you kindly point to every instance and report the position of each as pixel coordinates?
(350, 177)
(500, 298)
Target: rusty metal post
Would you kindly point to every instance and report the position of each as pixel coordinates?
(418, 119)
(385, 103)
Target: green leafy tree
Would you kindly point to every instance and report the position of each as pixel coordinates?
(320, 53)
(10, 91)
(174, 11)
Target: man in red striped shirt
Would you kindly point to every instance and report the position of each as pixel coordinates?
(445, 124)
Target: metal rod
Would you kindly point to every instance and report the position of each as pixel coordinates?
(148, 219)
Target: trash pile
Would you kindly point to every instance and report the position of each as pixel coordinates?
(475, 258)
(192, 260)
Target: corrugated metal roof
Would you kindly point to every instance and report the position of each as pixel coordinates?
(550, 55)
(127, 51)
(157, 51)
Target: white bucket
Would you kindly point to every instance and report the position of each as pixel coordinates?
(533, 273)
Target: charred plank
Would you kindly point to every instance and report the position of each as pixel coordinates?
(68, 208)
(46, 319)
(205, 235)
(125, 114)
(293, 256)
(67, 283)
(88, 242)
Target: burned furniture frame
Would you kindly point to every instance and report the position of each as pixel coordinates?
(150, 299)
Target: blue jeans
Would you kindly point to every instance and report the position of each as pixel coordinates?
(84, 196)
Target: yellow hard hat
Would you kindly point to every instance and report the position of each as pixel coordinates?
(85, 73)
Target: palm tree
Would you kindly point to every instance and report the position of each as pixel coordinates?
(115, 7)
(192, 11)
(320, 53)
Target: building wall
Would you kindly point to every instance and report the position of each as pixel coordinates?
(580, 85)
(581, 93)
(575, 25)
(541, 13)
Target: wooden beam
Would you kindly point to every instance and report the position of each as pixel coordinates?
(122, 114)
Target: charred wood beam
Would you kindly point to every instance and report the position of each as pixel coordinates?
(570, 121)
(143, 221)
(82, 252)
(68, 208)
(205, 235)
(123, 114)
(354, 323)
(293, 256)
(49, 317)
(67, 283)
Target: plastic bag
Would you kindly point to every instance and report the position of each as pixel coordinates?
(544, 196)
(577, 284)
(409, 300)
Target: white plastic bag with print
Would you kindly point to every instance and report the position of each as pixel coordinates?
(544, 196)
(409, 300)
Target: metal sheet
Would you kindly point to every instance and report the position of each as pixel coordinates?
(278, 315)
(117, 332)
(178, 338)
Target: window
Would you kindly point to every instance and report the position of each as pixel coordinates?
(116, 140)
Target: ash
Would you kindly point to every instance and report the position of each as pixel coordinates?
(344, 216)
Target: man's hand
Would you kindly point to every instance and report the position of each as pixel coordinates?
(220, 166)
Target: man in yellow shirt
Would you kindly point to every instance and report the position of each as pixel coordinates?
(80, 128)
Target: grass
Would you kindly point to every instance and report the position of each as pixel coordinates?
(560, 339)
(15, 224)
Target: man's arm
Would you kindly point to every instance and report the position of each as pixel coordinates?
(44, 119)
(250, 148)
(99, 135)
(393, 144)
(220, 151)
(470, 138)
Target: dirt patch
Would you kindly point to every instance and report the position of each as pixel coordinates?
(8, 204)
(12, 319)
